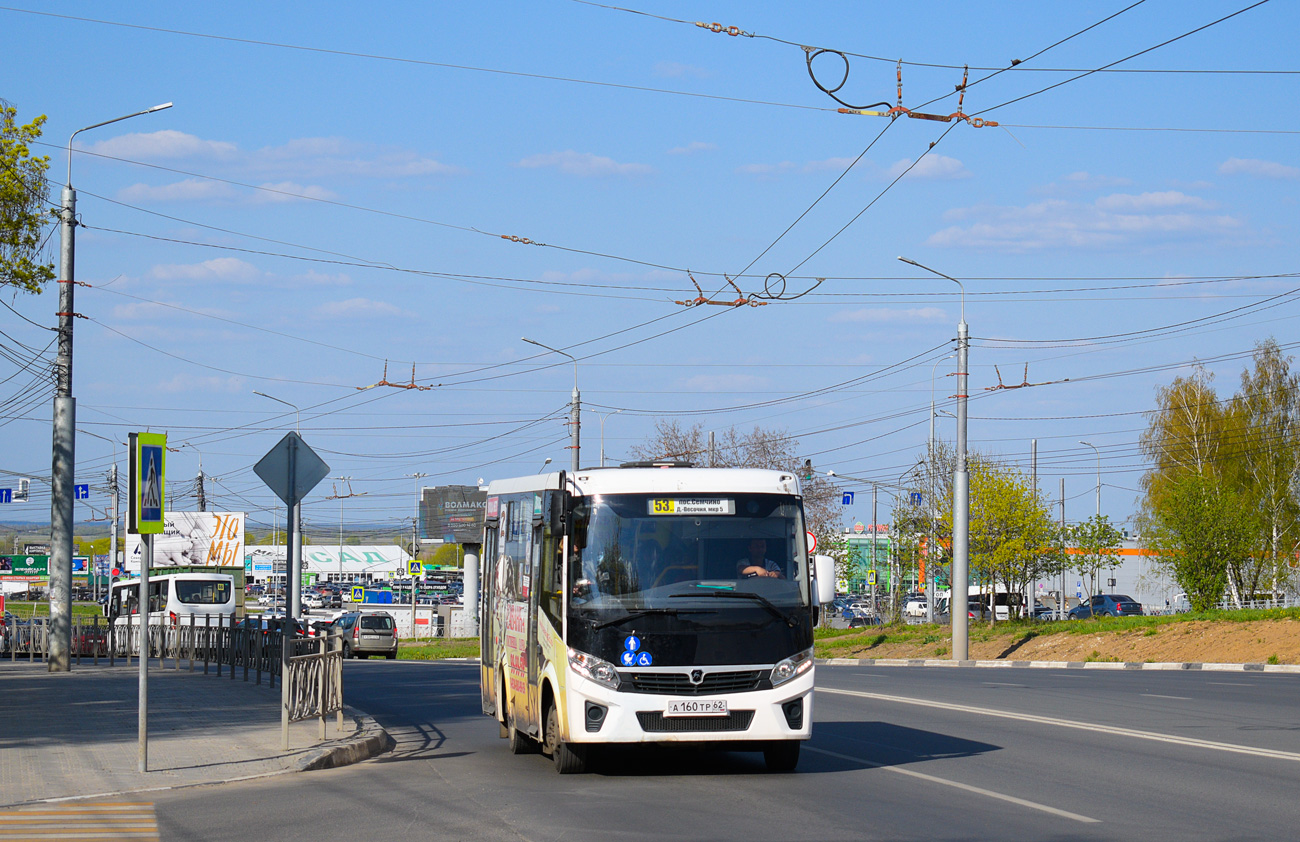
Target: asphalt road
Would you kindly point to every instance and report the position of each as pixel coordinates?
(897, 754)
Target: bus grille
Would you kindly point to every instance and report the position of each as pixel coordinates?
(679, 683)
(653, 721)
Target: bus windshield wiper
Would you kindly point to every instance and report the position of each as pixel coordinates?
(632, 615)
(712, 593)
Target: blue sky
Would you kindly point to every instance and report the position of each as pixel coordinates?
(302, 215)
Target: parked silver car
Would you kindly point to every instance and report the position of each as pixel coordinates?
(371, 633)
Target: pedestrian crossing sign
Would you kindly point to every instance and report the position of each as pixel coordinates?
(358, 593)
(146, 483)
(415, 568)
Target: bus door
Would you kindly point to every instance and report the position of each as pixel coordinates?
(489, 618)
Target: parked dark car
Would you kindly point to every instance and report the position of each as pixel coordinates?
(1108, 605)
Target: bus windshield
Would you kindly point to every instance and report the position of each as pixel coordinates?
(202, 592)
(638, 551)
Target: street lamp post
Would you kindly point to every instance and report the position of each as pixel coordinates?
(960, 488)
(203, 501)
(1098, 452)
(602, 433)
(297, 416)
(63, 467)
(575, 406)
(415, 544)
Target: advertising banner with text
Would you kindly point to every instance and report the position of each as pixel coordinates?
(189, 538)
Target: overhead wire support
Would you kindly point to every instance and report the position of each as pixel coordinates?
(741, 301)
(1023, 385)
(410, 386)
(899, 109)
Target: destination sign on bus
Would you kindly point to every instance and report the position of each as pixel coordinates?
(692, 506)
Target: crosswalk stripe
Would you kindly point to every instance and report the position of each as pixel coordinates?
(109, 821)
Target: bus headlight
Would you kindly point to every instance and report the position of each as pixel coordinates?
(589, 666)
(791, 667)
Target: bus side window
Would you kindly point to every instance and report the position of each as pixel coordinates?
(550, 577)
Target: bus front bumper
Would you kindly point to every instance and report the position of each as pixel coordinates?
(598, 714)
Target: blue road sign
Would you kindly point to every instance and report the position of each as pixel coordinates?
(81, 492)
(6, 495)
(847, 498)
(914, 498)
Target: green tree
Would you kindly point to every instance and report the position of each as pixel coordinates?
(1201, 528)
(1009, 527)
(1264, 447)
(449, 555)
(23, 198)
(1098, 543)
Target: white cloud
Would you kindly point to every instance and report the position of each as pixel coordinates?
(1258, 168)
(1088, 181)
(767, 169)
(194, 383)
(583, 164)
(164, 144)
(320, 279)
(217, 269)
(358, 308)
(1113, 221)
(693, 147)
(885, 314)
(189, 190)
(288, 191)
(939, 167)
(1151, 201)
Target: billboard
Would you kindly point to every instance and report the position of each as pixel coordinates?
(194, 538)
(452, 513)
(34, 567)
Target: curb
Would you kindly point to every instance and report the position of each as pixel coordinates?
(1094, 665)
(371, 740)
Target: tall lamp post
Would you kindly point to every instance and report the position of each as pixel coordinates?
(575, 406)
(960, 488)
(1098, 452)
(63, 468)
(602, 433)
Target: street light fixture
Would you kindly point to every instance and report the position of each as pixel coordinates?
(602, 433)
(930, 546)
(297, 417)
(63, 445)
(575, 406)
(960, 577)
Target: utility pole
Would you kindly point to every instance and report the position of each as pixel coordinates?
(64, 462)
(203, 502)
(112, 536)
(1033, 474)
(575, 406)
(960, 488)
(1060, 607)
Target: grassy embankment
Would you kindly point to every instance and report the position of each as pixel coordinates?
(933, 641)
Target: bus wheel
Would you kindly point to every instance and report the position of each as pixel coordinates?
(781, 755)
(520, 743)
(569, 759)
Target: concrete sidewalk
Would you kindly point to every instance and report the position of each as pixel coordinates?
(74, 734)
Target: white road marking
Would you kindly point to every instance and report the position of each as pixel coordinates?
(1002, 684)
(987, 793)
(1078, 726)
(1158, 696)
(1229, 684)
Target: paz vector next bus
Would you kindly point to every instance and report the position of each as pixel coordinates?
(650, 605)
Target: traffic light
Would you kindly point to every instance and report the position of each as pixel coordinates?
(20, 495)
(807, 470)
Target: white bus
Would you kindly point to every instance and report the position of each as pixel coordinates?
(650, 604)
(173, 599)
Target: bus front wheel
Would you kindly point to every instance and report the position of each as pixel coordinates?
(781, 755)
(569, 758)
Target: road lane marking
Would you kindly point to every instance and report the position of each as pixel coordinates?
(987, 793)
(1158, 696)
(1229, 684)
(109, 821)
(1078, 726)
(1002, 684)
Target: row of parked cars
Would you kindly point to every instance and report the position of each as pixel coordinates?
(363, 633)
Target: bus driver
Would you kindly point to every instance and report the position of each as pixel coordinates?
(758, 564)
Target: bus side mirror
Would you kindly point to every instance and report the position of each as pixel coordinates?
(558, 521)
(824, 570)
